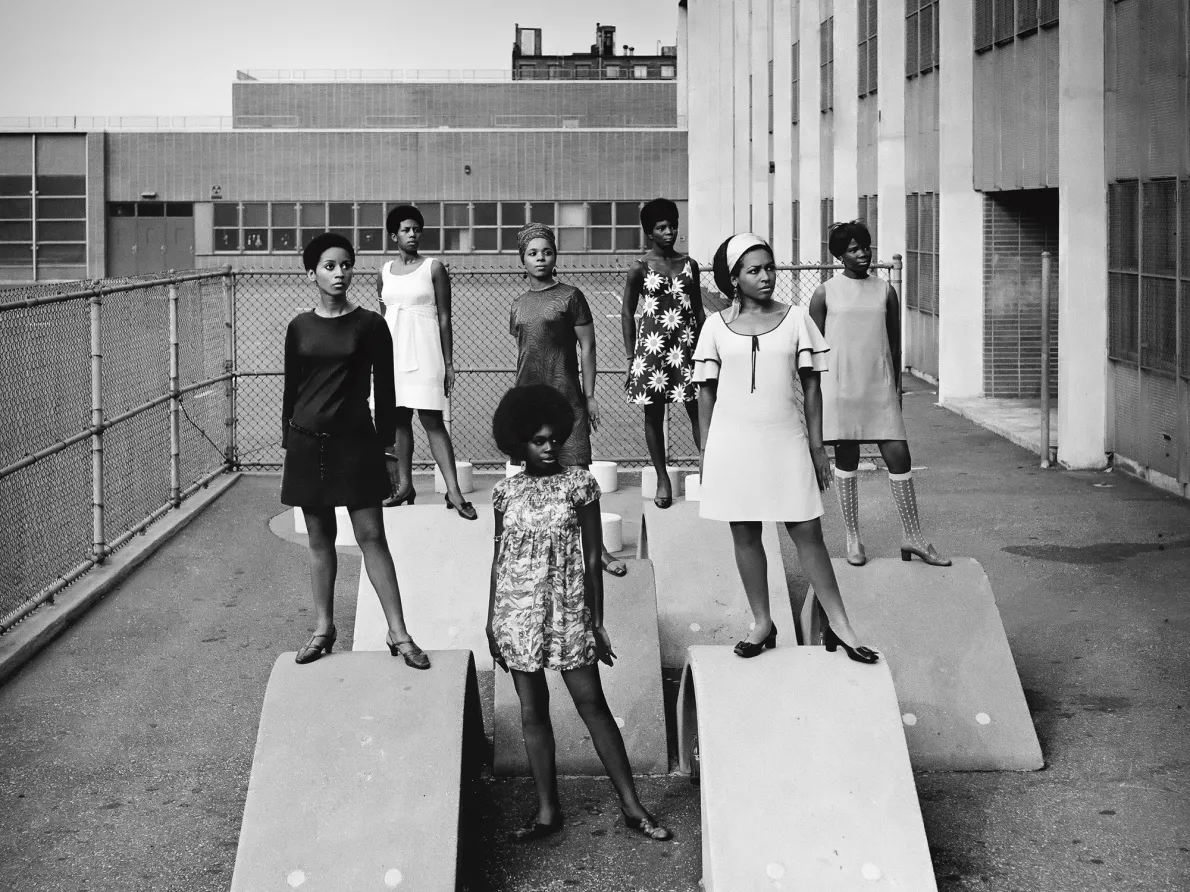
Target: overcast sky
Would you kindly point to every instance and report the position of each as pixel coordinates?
(179, 57)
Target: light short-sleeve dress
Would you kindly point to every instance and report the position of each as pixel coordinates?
(757, 463)
(541, 618)
(411, 311)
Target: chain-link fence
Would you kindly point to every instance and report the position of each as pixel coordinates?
(117, 399)
(129, 395)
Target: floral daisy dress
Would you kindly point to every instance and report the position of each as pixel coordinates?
(663, 362)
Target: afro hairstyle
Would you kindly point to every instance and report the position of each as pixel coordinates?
(523, 411)
(320, 244)
(400, 214)
(655, 211)
(719, 266)
(840, 235)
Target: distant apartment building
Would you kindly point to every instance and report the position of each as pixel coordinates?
(529, 62)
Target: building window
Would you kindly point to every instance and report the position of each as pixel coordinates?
(582, 72)
(999, 21)
(921, 36)
(796, 80)
(826, 216)
(867, 47)
(668, 71)
(826, 65)
(612, 71)
(795, 248)
(921, 252)
(640, 71)
(771, 115)
(43, 204)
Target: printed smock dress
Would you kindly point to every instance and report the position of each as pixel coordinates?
(541, 618)
(662, 367)
(757, 464)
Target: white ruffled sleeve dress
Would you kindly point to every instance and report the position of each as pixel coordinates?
(757, 464)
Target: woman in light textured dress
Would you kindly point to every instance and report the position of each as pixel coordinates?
(757, 464)
(861, 402)
(415, 291)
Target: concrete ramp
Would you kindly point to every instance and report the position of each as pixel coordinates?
(940, 632)
(443, 567)
(805, 779)
(356, 778)
(700, 599)
(632, 686)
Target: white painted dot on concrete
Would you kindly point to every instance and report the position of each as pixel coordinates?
(909, 719)
(775, 870)
(393, 878)
(296, 878)
(619, 722)
(871, 872)
(695, 627)
(983, 718)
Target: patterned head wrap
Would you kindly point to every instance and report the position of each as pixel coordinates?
(531, 231)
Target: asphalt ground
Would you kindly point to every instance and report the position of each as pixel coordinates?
(126, 746)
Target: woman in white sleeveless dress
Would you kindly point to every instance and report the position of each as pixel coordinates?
(415, 291)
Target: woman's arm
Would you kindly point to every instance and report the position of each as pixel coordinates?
(384, 390)
(700, 313)
(818, 308)
(591, 523)
(632, 287)
(707, 393)
(586, 351)
(380, 290)
(290, 394)
(892, 322)
(493, 649)
(812, 406)
(441, 280)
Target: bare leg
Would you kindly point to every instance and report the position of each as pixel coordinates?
(378, 562)
(847, 455)
(692, 412)
(753, 565)
(816, 564)
(538, 732)
(324, 564)
(655, 440)
(403, 449)
(443, 451)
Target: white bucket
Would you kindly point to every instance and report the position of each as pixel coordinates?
(607, 475)
(693, 487)
(648, 481)
(466, 475)
(511, 470)
(613, 538)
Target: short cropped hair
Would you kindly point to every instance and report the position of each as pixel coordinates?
(719, 266)
(400, 214)
(320, 244)
(655, 211)
(523, 411)
(840, 235)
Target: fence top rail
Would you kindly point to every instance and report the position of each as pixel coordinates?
(895, 263)
(98, 289)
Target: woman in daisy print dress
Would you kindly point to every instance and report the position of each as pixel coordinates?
(663, 285)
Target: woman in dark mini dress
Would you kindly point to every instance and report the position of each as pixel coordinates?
(334, 453)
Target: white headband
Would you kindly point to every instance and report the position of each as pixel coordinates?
(739, 245)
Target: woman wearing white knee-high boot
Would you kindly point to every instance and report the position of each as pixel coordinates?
(860, 316)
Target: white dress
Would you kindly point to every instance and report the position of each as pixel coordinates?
(412, 316)
(757, 464)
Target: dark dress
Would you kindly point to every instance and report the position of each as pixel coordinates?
(334, 455)
(547, 353)
(662, 368)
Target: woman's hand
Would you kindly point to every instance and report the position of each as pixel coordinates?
(603, 646)
(593, 413)
(822, 467)
(448, 381)
(494, 649)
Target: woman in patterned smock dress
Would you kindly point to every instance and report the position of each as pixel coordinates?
(664, 285)
(552, 325)
(545, 603)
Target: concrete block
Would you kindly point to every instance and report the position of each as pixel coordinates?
(700, 599)
(357, 758)
(607, 474)
(804, 775)
(443, 568)
(940, 632)
(692, 487)
(466, 475)
(632, 687)
(613, 538)
(648, 481)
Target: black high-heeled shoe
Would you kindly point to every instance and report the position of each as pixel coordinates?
(311, 651)
(648, 827)
(401, 497)
(464, 509)
(747, 649)
(414, 656)
(859, 653)
(532, 830)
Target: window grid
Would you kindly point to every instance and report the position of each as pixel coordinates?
(795, 102)
(921, 37)
(826, 65)
(43, 221)
(451, 227)
(826, 218)
(921, 252)
(867, 60)
(867, 214)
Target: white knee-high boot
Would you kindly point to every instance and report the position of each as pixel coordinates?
(914, 543)
(847, 486)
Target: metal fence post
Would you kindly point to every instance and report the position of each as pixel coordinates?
(175, 401)
(1045, 359)
(98, 535)
(229, 369)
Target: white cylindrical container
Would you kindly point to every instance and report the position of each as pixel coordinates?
(648, 481)
(511, 469)
(607, 475)
(613, 539)
(692, 485)
(299, 521)
(466, 476)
